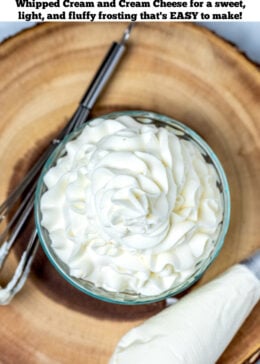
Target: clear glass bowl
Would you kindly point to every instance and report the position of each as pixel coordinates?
(126, 297)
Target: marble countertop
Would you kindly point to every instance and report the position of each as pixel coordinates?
(244, 34)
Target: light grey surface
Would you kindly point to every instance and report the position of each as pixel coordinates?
(253, 263)
(246, 35)
(10, 28)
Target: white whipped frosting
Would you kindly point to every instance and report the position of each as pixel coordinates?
(132, 207)
(198, 328)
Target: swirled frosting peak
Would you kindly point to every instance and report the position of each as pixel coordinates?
(131, 206)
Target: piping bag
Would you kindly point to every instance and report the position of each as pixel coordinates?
(198, 328)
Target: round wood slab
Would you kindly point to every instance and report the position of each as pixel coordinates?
(179, 70)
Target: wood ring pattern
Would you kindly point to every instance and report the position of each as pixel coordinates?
(179, 70)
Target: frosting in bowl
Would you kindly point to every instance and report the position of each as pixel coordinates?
(132, 206)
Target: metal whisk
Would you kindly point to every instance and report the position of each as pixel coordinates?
(14, 227)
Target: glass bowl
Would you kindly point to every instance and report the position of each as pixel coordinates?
(131, 298)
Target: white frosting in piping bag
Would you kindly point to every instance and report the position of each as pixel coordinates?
(131, 206)
(198, 328)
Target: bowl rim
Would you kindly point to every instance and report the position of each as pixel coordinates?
(226, 207)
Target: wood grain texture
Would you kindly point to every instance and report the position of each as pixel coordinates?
(177, 69)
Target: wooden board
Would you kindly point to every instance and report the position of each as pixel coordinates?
(179, 70)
